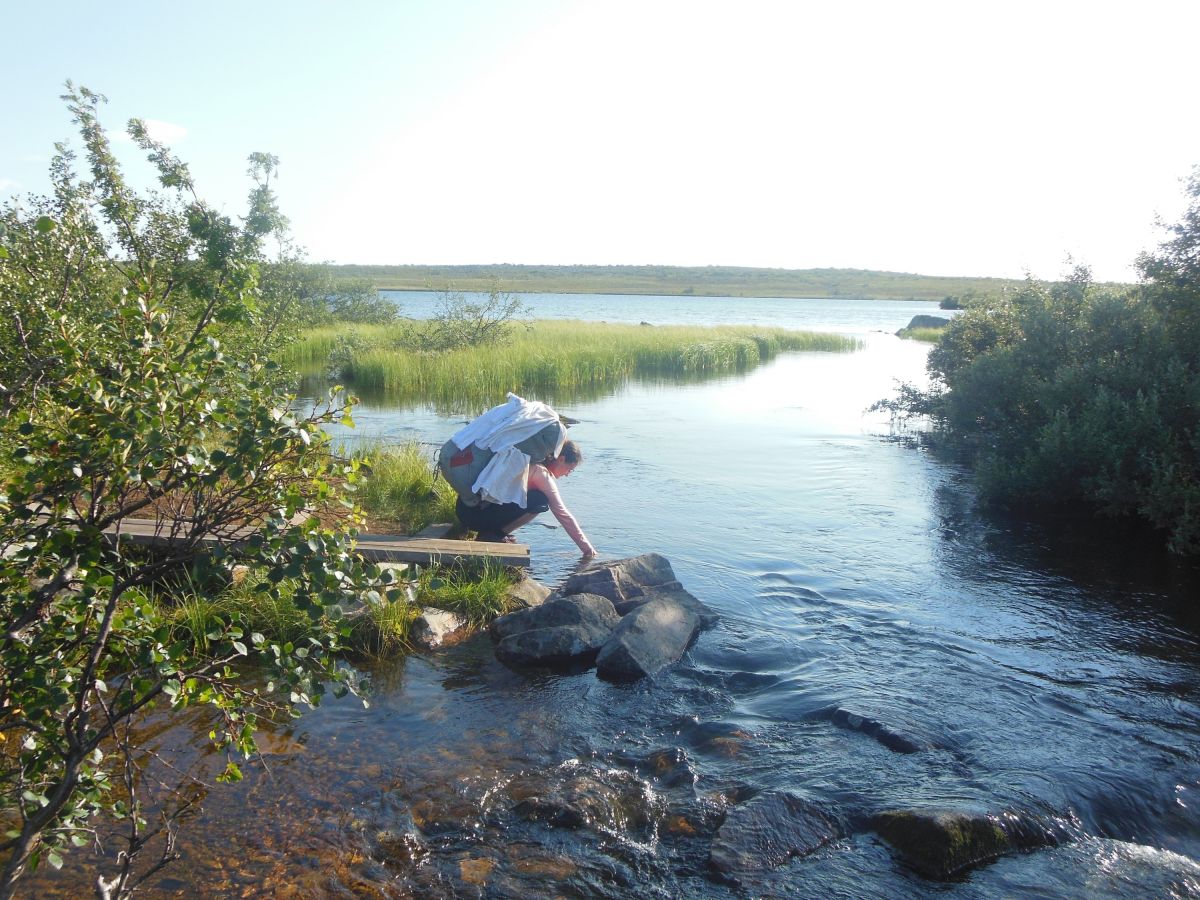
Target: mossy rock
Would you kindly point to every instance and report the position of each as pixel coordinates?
(940, 845)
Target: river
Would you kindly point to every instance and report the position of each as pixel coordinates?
(1049, 673)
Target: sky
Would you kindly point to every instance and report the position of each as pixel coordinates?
(942, 138)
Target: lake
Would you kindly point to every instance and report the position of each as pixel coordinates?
(1048, 673)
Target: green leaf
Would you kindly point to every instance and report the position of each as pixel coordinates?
(240, 647)
(45, 224)
(54, 859)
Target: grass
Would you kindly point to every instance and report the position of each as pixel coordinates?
(556, 360)
(931, 335)
(478, 594)
(399, 492)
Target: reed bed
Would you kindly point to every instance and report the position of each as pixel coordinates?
(929, 335)
(553, 359)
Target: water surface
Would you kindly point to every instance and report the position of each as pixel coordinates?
(1050, 674)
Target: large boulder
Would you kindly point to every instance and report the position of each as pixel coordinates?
(675, 593)
(622, 579)
(768, 831)
(648, 639)
(923, 321)
(568, 631)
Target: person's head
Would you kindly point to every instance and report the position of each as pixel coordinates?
(568, 458)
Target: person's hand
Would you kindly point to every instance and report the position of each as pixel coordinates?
(589, 553)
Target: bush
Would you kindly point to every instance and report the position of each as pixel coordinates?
(1073, 396)
(136, 382)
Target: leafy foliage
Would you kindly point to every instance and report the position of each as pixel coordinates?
(135, 382)
(1070, 395)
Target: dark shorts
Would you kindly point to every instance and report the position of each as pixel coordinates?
(493, 517)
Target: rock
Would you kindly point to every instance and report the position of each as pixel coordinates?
(621, 579)
(565, 646)
(767, 832)
(941, 844)
(928, 322)
(579, 609)
(889, 737)
(435, 628)
(528, 593)
(598, 799)
(675, 592)
(648, 639)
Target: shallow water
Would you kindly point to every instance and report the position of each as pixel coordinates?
(1050, 674)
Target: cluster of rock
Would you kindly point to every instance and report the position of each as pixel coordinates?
(630, 618)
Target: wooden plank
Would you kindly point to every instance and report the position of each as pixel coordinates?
(373, 547)
(424, 551)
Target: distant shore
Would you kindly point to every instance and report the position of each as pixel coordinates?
(700, 281)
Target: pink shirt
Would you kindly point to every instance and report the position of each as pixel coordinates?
(540, 479)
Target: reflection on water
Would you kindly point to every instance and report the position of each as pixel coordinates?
(1033, 671)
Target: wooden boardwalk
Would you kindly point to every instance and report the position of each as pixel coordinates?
(423, 549)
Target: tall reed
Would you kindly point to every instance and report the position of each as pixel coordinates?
(553, 359)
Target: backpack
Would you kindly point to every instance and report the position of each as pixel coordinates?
(461, 468)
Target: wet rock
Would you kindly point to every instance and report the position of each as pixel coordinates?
(670, 767)
(648, 639)
(891, 738)
(566, 646)
(581, 609)
(767, 832)
(941, 844)
(435, 628)
(475, 870)
(566, 632)
(621, 579)
(722, 738)
(597, 799)
(400, 848)
(528, 593)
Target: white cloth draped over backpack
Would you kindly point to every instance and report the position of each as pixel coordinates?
(505, 478)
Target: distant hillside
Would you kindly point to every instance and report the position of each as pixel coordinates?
(721, 281)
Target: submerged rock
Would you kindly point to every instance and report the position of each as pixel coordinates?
(894, 740)
(597, 799)
(648, 639)
(768, 831)
(941, 844)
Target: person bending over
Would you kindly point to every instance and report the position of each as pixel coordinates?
(497, 521)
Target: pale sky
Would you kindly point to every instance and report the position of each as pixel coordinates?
(957, 138)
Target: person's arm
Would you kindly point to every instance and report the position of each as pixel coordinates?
(546, 483)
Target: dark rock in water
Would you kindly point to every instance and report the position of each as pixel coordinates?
(719, 738)
(648, 639)
(598, 799)
(889, 737)
(568, 631)
(670, 767)
(579, 609)
(928, 322)
(621, 579)
(939, 845)
(767, 832)
(675, 592)
(570, 646)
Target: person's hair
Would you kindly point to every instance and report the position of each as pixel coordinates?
(571, 454)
